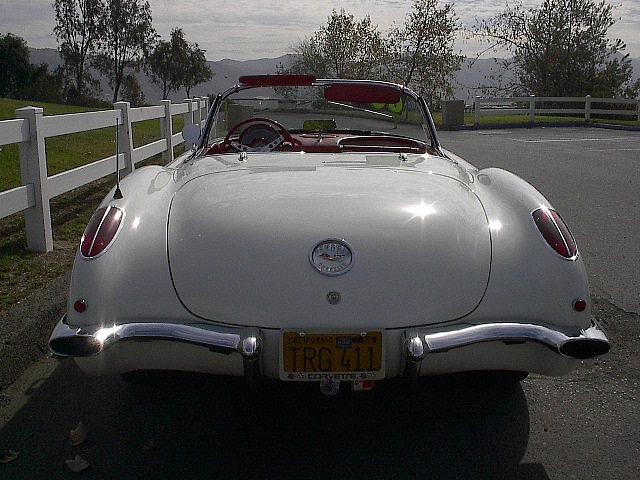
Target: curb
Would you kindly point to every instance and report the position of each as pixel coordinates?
(25, 328)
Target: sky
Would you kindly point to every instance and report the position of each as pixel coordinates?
(251, 29)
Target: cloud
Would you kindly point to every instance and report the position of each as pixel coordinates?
(246, 29)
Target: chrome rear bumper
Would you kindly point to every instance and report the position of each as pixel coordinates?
(67, 341)
(587, 343)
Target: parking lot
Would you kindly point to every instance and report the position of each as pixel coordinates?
(584, 425)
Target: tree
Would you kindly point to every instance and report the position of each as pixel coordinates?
(197, 71)
(14, 64)
(420, 51)
(78, 32)
(127, 38)
(131, 91)
(343, 48)
(177, 63)
(42, 85)
(167, 62)
(560, 48)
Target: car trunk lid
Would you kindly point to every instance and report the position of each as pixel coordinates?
(240, 243)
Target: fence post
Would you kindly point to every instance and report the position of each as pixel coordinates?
(203, 112)
(166, 124)
(33, 169)
(188, 117)
(532, 109)
(587, 109)
(197, 112)
(125, 138)
(476, 111)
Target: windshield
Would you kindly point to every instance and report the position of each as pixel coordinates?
(326, 118)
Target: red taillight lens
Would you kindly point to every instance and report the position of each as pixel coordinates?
(102, 227)
(555, 232)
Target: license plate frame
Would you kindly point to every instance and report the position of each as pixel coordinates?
(338, 342)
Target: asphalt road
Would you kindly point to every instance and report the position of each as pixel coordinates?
(584, 425)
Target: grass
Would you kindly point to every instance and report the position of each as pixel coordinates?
(22, 272)
(496, 120)
(69, 151)
(544, 120)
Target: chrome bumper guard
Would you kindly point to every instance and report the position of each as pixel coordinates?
(67, 341)
(588, 343)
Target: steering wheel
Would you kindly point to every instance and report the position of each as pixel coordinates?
(259, 135)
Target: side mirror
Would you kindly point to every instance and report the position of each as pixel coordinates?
(191, 135)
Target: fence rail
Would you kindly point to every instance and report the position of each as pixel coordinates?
(30, 130)
(530, 106)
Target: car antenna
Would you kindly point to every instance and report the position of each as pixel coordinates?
(117, 195)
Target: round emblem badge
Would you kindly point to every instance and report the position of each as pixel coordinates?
(331, 257)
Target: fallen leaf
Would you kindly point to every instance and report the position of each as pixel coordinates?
(77, 464)
(78, 435)
(9, 456)
(149, 445)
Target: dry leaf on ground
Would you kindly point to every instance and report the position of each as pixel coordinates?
(77, 464)
(78, 435)
(150, 445)
(9, 456)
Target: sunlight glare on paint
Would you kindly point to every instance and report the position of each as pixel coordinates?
(495, 225)
(421, 210)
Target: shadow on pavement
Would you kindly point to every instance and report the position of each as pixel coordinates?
(194, 426)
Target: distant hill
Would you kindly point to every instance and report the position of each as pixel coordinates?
(227, 72)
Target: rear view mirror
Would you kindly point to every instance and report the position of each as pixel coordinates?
(319, 125)
(191, 135)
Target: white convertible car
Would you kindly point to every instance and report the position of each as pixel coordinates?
(318, 231)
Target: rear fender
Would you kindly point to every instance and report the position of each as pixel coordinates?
(528, 281)
(130, 280)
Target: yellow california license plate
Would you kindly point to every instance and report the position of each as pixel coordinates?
(342, 356)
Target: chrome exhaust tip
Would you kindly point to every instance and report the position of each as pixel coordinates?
(78, 346)
(583, 348)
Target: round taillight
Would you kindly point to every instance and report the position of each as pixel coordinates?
(80, 305)
(579, 305)
(101, 231)
(555, 232)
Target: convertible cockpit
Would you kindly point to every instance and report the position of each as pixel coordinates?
(298, 113)
(266, 135)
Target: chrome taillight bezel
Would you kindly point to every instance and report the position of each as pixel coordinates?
(109, 210)
(556, 221)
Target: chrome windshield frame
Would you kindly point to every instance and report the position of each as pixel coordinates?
(320, 82)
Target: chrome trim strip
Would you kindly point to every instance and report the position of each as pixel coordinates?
(67, 341)
(592, 338)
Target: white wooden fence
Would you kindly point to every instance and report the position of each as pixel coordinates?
(528, 106)
(30, 130)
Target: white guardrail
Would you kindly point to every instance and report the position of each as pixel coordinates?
(30, 130)
(527, 106)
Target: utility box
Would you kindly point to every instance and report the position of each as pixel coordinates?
(453, 113)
